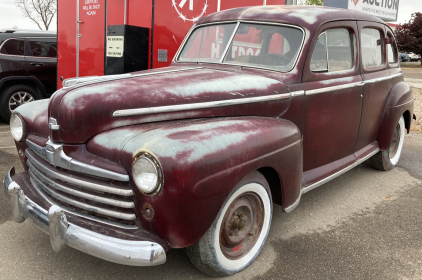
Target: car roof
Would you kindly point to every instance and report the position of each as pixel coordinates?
(16, 33)
(301, 15)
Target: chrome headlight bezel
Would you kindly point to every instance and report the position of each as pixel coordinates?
(156, 167)
(18, 137)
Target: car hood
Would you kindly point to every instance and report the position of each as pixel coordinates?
(83, 111)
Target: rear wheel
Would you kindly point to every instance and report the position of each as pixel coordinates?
(239, 232)
(14, 96)
(386, 160)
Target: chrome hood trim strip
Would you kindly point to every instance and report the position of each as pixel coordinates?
(72, 82)
(54, 154)
(196, 106)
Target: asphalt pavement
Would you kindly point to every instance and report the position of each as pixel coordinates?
(365, 224)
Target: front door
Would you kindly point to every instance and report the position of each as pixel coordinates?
(333, 92)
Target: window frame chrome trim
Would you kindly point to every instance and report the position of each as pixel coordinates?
(12, 55)
(53, 153)
(78, 182)
(78, 193)
(197, 106)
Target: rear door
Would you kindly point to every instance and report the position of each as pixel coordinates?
(376, 75)
(41, 61)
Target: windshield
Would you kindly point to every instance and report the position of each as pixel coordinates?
(256, 45)
(207, 43)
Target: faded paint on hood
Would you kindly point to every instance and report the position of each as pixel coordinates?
(86, 111)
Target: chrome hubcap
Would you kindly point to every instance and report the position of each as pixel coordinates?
(19, 98)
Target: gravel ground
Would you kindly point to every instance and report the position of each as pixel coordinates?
(417, 125)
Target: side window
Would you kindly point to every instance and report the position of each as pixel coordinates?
(43, 47)
(371, 43)
(319, 56)
(13, 47)
(391, 51)
(333, 51)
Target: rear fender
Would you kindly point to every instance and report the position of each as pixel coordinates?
(203, 160)
(399, 103)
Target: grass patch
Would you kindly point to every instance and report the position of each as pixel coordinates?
(415, 64)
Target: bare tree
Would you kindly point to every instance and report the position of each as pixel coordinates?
(39, 11)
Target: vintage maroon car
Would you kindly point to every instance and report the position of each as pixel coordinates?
(260, 105)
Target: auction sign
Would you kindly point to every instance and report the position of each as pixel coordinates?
(384, 9)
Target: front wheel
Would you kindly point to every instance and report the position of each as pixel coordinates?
(13, 97)
(386, 160)
(239, 232)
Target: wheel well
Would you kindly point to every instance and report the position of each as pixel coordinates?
(407, 120)
(274, 182)
(26, 82)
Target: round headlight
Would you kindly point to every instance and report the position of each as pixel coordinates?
(146, 174)
(17, 127)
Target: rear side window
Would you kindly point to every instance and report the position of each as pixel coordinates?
(333, 51)
(13, 47)
(43, 47)
(371, 47)
(391, 51)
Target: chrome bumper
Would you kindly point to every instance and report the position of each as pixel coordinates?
(62, 233)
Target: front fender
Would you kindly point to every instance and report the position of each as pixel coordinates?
(400, 100)
(202, 160)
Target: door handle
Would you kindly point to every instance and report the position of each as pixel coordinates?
(36, 64)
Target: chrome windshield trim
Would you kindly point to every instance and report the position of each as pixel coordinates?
(54, 154)
(176, 57)
(111, 213)
(91, 197)
(226, 50)
(78, 182)
(196, 106)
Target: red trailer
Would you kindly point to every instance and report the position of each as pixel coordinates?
(100, 37)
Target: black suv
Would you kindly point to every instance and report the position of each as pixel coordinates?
(28, 67)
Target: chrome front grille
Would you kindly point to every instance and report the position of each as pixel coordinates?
(93, 198)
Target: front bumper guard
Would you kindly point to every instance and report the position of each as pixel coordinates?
(62, 233)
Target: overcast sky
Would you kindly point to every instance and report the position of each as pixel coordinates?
(11, 16)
